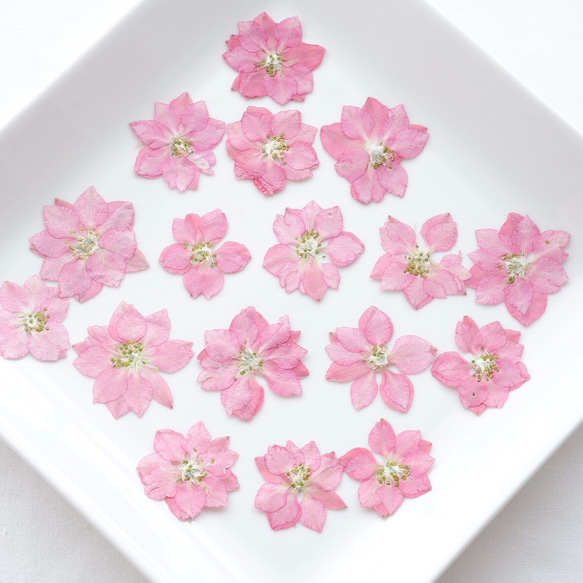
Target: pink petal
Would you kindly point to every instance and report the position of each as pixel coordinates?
(48, 346)
(301, 156)
(352, 339)
(203, 280)
(288, 227)
(175, 259)
(352, 164)
(48, 246)
(73, 279)
(440, 232)
(171, 356)
(397, 238)
(356, 123)
(313, 280)
(287, 516)
(92, 209)
(390, 271)
(329, 222)
(367, 493)
(106, 268)
(119, 242)
(169, 445)
(359, 463)
(222, 345)
(189, 500)
(278, 257)
(61, 221)
(160, 389)
(111, 384)
(376, 326)
(158, 328)
(391, 498)
(412, 355)
(335, 142)
(271, 497)
(150, 133)
(213, 226)
(344, 249)
(283, 382)
(232, 257)
(243, 398)
(341, 356)
(364, 390)
(396, 391)
(281, 88)
(451, 369)
(127, 324)
(280, 460)
(519, 295)
(313, 514)
(410, 142)
(180, 174)
(382, 438)
(247, 325)
(330, 500)
(417, 294)
(345, 373)
(93, 361)
(535, 310)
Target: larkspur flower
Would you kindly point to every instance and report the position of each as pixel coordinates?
(250, 348)
(306, 237)
(197, 257)
(411, 269)
(178, 142)
(518, 266)
(401, 474)
(87, 245)
(272, 59)
(126, 357)
(31, 320)
(369, 145)
(494, 371)
(271, 149)
(299, 486)
(191, 472)
(360, 354)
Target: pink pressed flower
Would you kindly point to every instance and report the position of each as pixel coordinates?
(87, 245)
(369, 144)
(196, 256)
(401, 474)
(299, 486)
(271, 149)
(126, 357)
(491, 374)
(519, 266)
(251, 348)
(190, 472)
(31, 319)
(360, 354)
(178, 142)
(272, 59)
(408, 268)
(306, 236)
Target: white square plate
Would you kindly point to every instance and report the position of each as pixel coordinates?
(494, 149)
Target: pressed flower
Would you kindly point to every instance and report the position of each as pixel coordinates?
(361, 354)
(31, 320)
(88, 245)
(271, 149)
(306, 238)
(233, 359)
(178, 142)
(299, 486)
(401, 473)
(492, 372)
(409, 268)
(518, 266)
(369, 145)
(126, 357)
(272, 59)
(191, 472)
(197, 257)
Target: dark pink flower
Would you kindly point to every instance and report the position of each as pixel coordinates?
(271, 149)
(306, 237)
(369, 144)
(408, 268)
(87, 245)
(190, 472)
(31, 319)
(519, 266)
(178, 142)
(126, 358)
(401, 474)
(250, 348)
(360, 354)
(299, 486)
(494, 371)
(272, 59)
(197, 257)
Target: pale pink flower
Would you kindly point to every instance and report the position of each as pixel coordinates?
(411, 269)
(519, 266)
(250, 348)
(494, 371)
(272, 59)
(87, 245)
(401, 474)
(31, 319)
(126, 357)
(306, 237)
(271, 149)
(299, 486)
(369, 145)
(190, 472)
(178, 142)
(361, 354)
(197, 257)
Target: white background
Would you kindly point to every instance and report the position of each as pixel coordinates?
(537, 537)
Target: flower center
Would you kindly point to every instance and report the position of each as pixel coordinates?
(392, 473)
(418, 263)
(35, 321)
(85, 243)
(378, 358)
(380, 155)
(309, 244)
(272, 64)
(249, 361)
(275, 148)
(515, 266)
(181, 147)
(298, 477)
(129, 355)
(202, 253)
(192, 471)
(485, 366)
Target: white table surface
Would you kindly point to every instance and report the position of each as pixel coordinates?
(537, 537)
